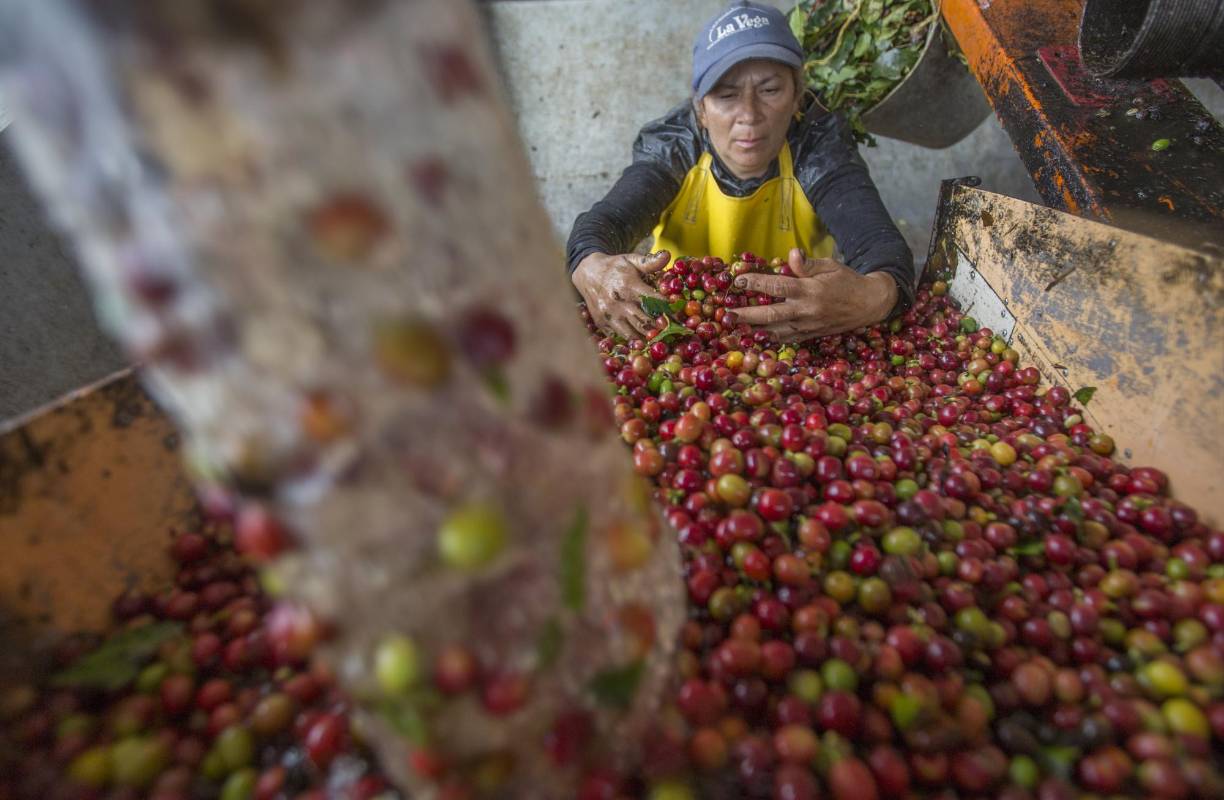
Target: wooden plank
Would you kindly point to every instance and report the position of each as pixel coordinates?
(1094, 305)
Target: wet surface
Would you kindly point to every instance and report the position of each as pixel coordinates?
(1091, 152)
(1132, 39)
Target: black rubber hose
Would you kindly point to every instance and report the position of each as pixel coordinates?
(1153, 38)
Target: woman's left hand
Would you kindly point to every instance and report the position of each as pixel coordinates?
(825, 297)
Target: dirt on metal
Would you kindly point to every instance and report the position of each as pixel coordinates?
(89, 493)
(1140, 319)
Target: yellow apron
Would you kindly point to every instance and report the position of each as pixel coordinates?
(769, 222)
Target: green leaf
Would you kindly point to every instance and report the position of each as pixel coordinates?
(654, 306)
(856, 51)
(1034, 547)
(672, 330)
(495, 381)
(1059, 760)
(1084, 394)
(895, 16)
(676, 306)
(548, 645)
(841, 75)
(406, 719)
(795, 18)
(615, 687)
(782, 528)
(573, 562)
(861, 45)
(905, 709)
(889, 64)
(117, 662)
(1074, 509)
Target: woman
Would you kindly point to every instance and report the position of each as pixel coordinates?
(747, 165)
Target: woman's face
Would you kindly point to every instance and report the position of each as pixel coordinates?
(747, 114)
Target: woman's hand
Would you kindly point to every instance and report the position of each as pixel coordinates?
(612, 287)
(825, 297)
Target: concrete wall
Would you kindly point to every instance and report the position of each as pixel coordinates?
(584, 75)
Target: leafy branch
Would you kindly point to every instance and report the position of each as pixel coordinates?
(859, 50)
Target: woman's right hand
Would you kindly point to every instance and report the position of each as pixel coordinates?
(612, 287)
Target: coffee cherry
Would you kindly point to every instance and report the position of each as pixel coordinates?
(397, 666)
(472, 536)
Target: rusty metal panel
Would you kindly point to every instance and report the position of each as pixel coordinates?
(89, 492)
(1088, 142)
(1094, 305)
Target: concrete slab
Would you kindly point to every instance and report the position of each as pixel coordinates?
(50, 342)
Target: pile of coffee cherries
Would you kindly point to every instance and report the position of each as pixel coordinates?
(220, 701)
(913, 570)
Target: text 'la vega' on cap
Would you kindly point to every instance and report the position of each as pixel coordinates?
(744, 30)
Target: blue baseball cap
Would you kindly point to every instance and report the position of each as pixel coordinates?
(745, 30)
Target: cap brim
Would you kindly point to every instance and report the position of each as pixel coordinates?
(773, 52)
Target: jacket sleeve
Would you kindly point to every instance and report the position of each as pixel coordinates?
(663, 153)
(837, 183)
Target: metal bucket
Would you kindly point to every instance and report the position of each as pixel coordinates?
(936, 105)
(1153, 38)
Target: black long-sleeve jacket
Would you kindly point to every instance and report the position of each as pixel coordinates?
(827, 165)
